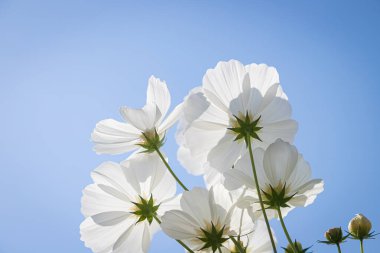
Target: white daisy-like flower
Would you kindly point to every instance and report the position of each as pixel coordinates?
(121, 204)
(233, 98)
(284, 176)
(207, 219)
(114, 137)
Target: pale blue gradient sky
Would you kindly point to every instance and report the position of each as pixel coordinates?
(65, 65)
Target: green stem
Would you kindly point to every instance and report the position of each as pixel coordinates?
(170, 169)
(259, 193)
(338, 248)
(237, 244)
(179, 241)
(285, 230)
(219, 250)
(361, 246)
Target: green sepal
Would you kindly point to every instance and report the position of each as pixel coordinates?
(213, 239)
(151, 143)
(146, 209)
(369, 236)
(246, 128)
(334, 243)
(276, 199)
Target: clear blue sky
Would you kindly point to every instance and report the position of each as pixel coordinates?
(65, 65)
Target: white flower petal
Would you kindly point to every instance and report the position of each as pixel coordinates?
(200, 141)
(95, 200)
(301, 173)
(113, 192)
(110, 218)
(111, 174)
(212, 176)
(224, 83)
(146, 238)
(100, 238)
(284, 130)
(219, 198)
(116, 148)
(212, 118)
(189, 162)
(114, 130)
(169, 204)
(194, 105)
(158, 94)
(235, 178)
(259, 241)
(179, 225)
(307, 193)
(277, 110)
(113, 137)
(262, 76)
(144, 119)
(196, 203)
(148, 174)
(224, 155)
(254, 103)
(171, 119)
(279, 161)
(274, 91)
(130, 240)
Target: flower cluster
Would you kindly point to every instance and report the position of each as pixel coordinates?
(236, 130)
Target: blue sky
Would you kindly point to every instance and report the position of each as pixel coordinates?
(65, 65)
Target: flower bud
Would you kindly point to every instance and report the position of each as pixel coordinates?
(334, 235)
(359, 226)
(297, 245)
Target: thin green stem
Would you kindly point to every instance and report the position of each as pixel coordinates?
(170, 169)
(248, 139)
(285, 230)
(361, 246)
(237, 244)
(219, 250)
(338, 248)
(179, 241)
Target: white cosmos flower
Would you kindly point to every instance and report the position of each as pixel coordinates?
(114, 137)
(279, 166)
(113, 222)
(215, 212)
(232, 90)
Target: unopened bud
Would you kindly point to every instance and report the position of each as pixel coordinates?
(359, 226)
(334, 235)
(296, 245)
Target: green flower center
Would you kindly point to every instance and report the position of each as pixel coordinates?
(213, 238)
(151, 141)
(145, 210)
(276, 197)
(245, 127)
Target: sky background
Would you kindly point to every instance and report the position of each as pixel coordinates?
(65, 65)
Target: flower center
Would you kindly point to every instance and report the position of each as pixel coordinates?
(213, 238)
(145, 210)
(245, 127)
(276, 197)
(151, 141)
